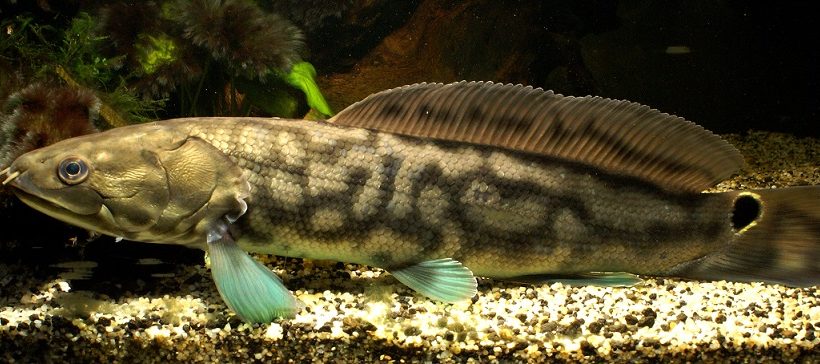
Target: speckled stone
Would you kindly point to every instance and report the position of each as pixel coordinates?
(358, 314)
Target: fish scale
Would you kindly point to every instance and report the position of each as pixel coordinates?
(437, 184)
(538, 218)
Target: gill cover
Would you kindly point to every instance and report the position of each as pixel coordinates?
(205, 188)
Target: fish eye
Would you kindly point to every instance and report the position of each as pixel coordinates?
(72, 170)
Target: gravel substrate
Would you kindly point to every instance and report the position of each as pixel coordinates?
(165, 308)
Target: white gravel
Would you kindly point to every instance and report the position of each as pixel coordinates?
(358, 314)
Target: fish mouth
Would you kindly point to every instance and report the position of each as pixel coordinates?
(31, 195)
(22, 186)
(40, 204)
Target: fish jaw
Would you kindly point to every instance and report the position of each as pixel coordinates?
(90, 214)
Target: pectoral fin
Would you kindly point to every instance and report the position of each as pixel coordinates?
(600, 279)
(445, 280)
(249, 288)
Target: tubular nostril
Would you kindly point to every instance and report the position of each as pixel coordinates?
(746, 210)
(10, 175)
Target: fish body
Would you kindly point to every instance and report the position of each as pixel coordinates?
(436, 184)
(322, 191)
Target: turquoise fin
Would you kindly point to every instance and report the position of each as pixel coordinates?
(249, 288)
(442, 279)
(600, 279)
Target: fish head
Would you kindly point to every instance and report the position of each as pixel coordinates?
(148, 183)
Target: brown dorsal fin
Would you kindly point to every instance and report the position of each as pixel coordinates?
(617, 136)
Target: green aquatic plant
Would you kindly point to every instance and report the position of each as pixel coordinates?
(248, 48)
(42, 52)
(160, 50)
(200, 57)
(79, 53)
(23, 41)
(246, 39)
(302, 76)
(213, 57)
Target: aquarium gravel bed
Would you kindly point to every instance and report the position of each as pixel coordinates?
(359, 314)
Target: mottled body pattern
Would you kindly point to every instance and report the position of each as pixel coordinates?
(436, 183)
(329, 192)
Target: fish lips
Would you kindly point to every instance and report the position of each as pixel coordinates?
(73, 200)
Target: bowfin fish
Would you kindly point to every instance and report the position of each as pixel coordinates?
(437, 184)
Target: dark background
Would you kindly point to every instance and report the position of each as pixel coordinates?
(750, 65)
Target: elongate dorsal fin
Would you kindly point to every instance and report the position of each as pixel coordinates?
(617, 136)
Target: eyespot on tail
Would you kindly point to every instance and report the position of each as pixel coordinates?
(776, 240)
(746, 210)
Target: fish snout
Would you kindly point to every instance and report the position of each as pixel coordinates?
(11, 174)
(17, 177)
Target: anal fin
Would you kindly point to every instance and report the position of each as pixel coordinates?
(600, 279)
(445, 280)
(248, 288)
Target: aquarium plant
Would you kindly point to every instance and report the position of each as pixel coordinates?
(53, 56)
(213, 57)
(41, 114)
(173, 58)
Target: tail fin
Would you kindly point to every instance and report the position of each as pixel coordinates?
(776, 240)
